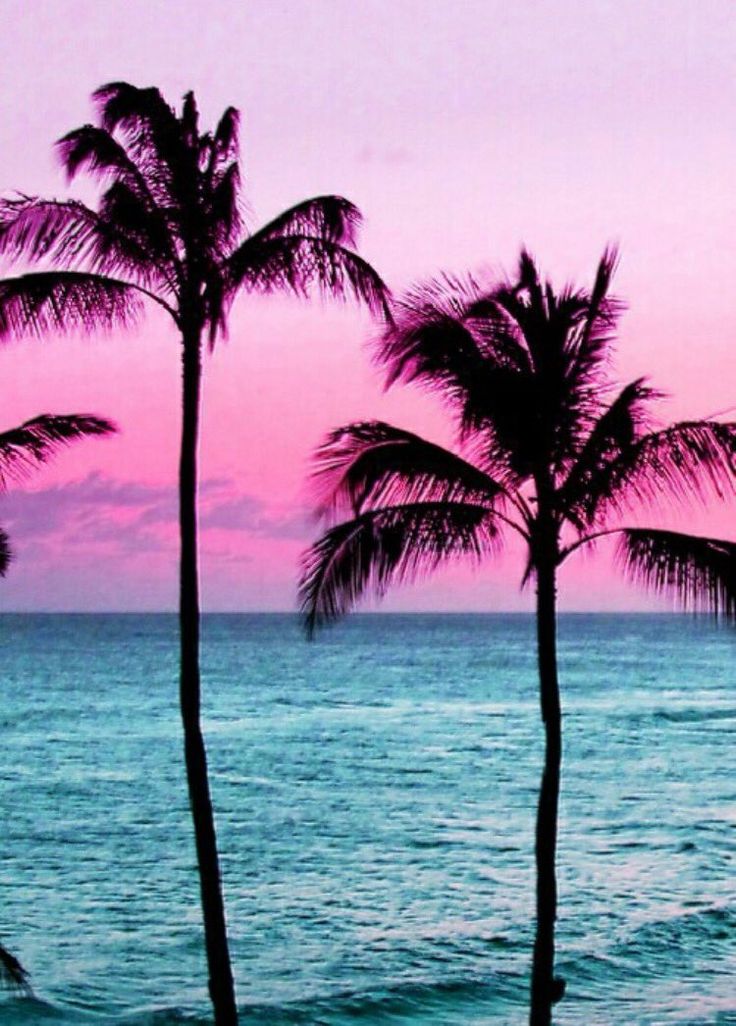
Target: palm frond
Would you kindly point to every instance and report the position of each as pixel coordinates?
(96, 151)
(590, 344)
(699, 572)
(40, 438)
(296, 263)
(225, 139)
(138, 181)
(331, 218)
(148, 123)
(135, 239)
(394, 543)
(431, 339)
(37, 229)
(567, 334)
(449, 336)
(375, 464)
(6, 558)
(154, 138)
(224, 209)
(65, 301)
(688, 461)
(497, 362)
(125, 106)
(12, 974)
(526, 305)
(613, 437)
(71, 235)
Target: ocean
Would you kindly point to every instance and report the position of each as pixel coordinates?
(375, 797)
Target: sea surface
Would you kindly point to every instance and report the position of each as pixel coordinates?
(375, 795)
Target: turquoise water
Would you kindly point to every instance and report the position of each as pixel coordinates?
(375, 796)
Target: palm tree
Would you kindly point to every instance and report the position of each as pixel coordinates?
(549, 451)
(21, 448)
(168, 228)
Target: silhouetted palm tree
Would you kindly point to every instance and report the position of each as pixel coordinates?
(168, 228)
(22, 448)
(550, 452)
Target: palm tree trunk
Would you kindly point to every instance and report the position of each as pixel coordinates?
(545, 990)
(221, 986)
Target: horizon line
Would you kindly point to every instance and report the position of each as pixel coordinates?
(365, 612)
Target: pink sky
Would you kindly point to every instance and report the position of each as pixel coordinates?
(461, 128)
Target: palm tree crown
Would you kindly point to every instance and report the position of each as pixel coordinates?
(548, 449)
(168, 226)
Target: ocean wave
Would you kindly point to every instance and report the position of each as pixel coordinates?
(667, 947)
(401, 1001)
(696, 715)
(715, 923)
(31, 1010)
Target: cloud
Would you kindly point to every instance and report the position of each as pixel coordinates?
(248, 513)
(49, 511)
(137, 518)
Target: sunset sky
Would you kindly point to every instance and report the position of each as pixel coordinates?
(462, 129)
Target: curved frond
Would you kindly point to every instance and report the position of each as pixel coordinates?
(37, 440)
(614, 435)
(12, 974)
(65, 301)
(71, 235)
(590, 331)
(224, 209)
(37, 229)
(96, 151)
(296, 263)
(157, 142)
(133, 239)
(394, 543)
(573, 327)
(454, 337)
(591, 344)
(433, 338)
(567, 335)
(691, 460)
(125, 106)
(699, 572)
(331, 218)
(225, 140)
(374, 464)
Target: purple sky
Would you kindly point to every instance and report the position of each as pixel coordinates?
(461, 129)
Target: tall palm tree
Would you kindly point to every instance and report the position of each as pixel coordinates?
(549, 451)
(168, 228)
(21, 448)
